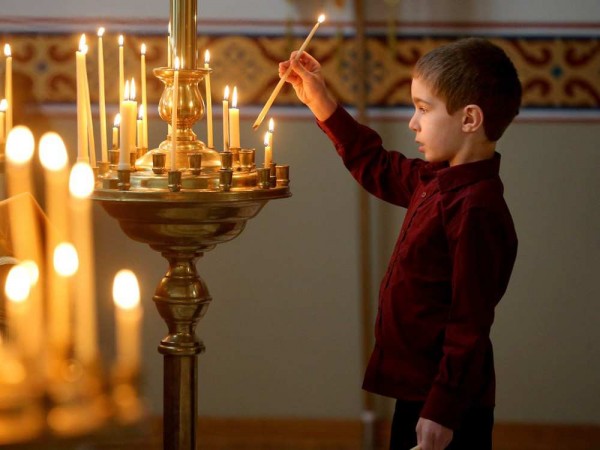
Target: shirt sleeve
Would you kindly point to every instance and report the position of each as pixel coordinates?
(483, 252)
(388, 175)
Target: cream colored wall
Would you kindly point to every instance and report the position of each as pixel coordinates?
(282, 333)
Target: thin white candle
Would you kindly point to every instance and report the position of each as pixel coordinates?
(128, 317)
(174, 108)
(102, 97)
(89, 121)
(121, 69)
(81, 186)
(144, 142)
(54, 159)
(209, 118)
(8, 88)
(3, 107)
(140, 127)
(115, 131)
(226, 119)
(270, 131)
(82, 135)
(268, 152)
(282, 80)
(128, 126)
(234, 121)
(25, 233)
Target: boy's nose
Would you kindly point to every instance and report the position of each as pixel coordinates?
(412, 123)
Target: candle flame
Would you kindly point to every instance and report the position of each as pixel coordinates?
(101, 32)
(121, 40)
(321, 18)
(132, 90)
(53, 153)
(18, 284)
(7, 51)
(117, 121)
(234, 98)
(20, 145)
(82, 45)
(65, 259)
(81, 180)
(3, 105)
(207, 57)
(177, 63)
(141, 112)
(271, 125)
(266, 138)
(226, 95)
(143, 49)
(126, 91)
(126, 290)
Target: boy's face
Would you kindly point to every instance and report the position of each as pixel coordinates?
(439, 134)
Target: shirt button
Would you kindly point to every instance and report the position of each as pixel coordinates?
(423, 194)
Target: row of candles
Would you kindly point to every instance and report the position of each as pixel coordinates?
(62, 290)
(132, 122)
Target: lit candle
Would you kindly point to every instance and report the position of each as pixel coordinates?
(128, 318)
(101, 97)
(226, 119)
(115, 131)
(174, 108)
(268, 152)
(121, 69)
(144, 141)
(17, 289)
(25, 233)
(209, 119)
(234, 121)
(82, 136)
(8, 89)
(128, 126)
(54, 159)
(270, 132)
(3, 107)
(140, 127)
(89, 121)
(282, 80)
(81, 186)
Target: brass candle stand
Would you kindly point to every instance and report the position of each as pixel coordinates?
(183, 212)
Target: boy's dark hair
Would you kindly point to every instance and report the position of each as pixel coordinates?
(474, 71)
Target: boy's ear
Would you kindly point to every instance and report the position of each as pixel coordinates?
(472, 118)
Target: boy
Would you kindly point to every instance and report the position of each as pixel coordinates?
(457, 245)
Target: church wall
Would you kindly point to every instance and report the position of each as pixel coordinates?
(282, 332)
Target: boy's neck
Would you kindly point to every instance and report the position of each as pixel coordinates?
(473, 153)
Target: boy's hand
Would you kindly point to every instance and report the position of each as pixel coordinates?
(432, 435)
(309, 84)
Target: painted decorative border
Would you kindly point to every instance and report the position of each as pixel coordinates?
(559, 69)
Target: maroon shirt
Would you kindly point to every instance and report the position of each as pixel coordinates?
(449, 269)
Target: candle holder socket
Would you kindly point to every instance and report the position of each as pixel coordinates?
(264, 175)
(246, 157)
(124, 179)
(174, 180)
(103, 168)
(195, 163)
(226, 160)
(273, 174)
(225, 179)
(282, 175)
(113, 158)
(132, 159)
(159, 161)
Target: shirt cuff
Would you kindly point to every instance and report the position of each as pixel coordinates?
(443, 407)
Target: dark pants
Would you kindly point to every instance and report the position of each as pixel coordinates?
(474, 433)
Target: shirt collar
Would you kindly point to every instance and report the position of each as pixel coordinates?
(453, 177)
